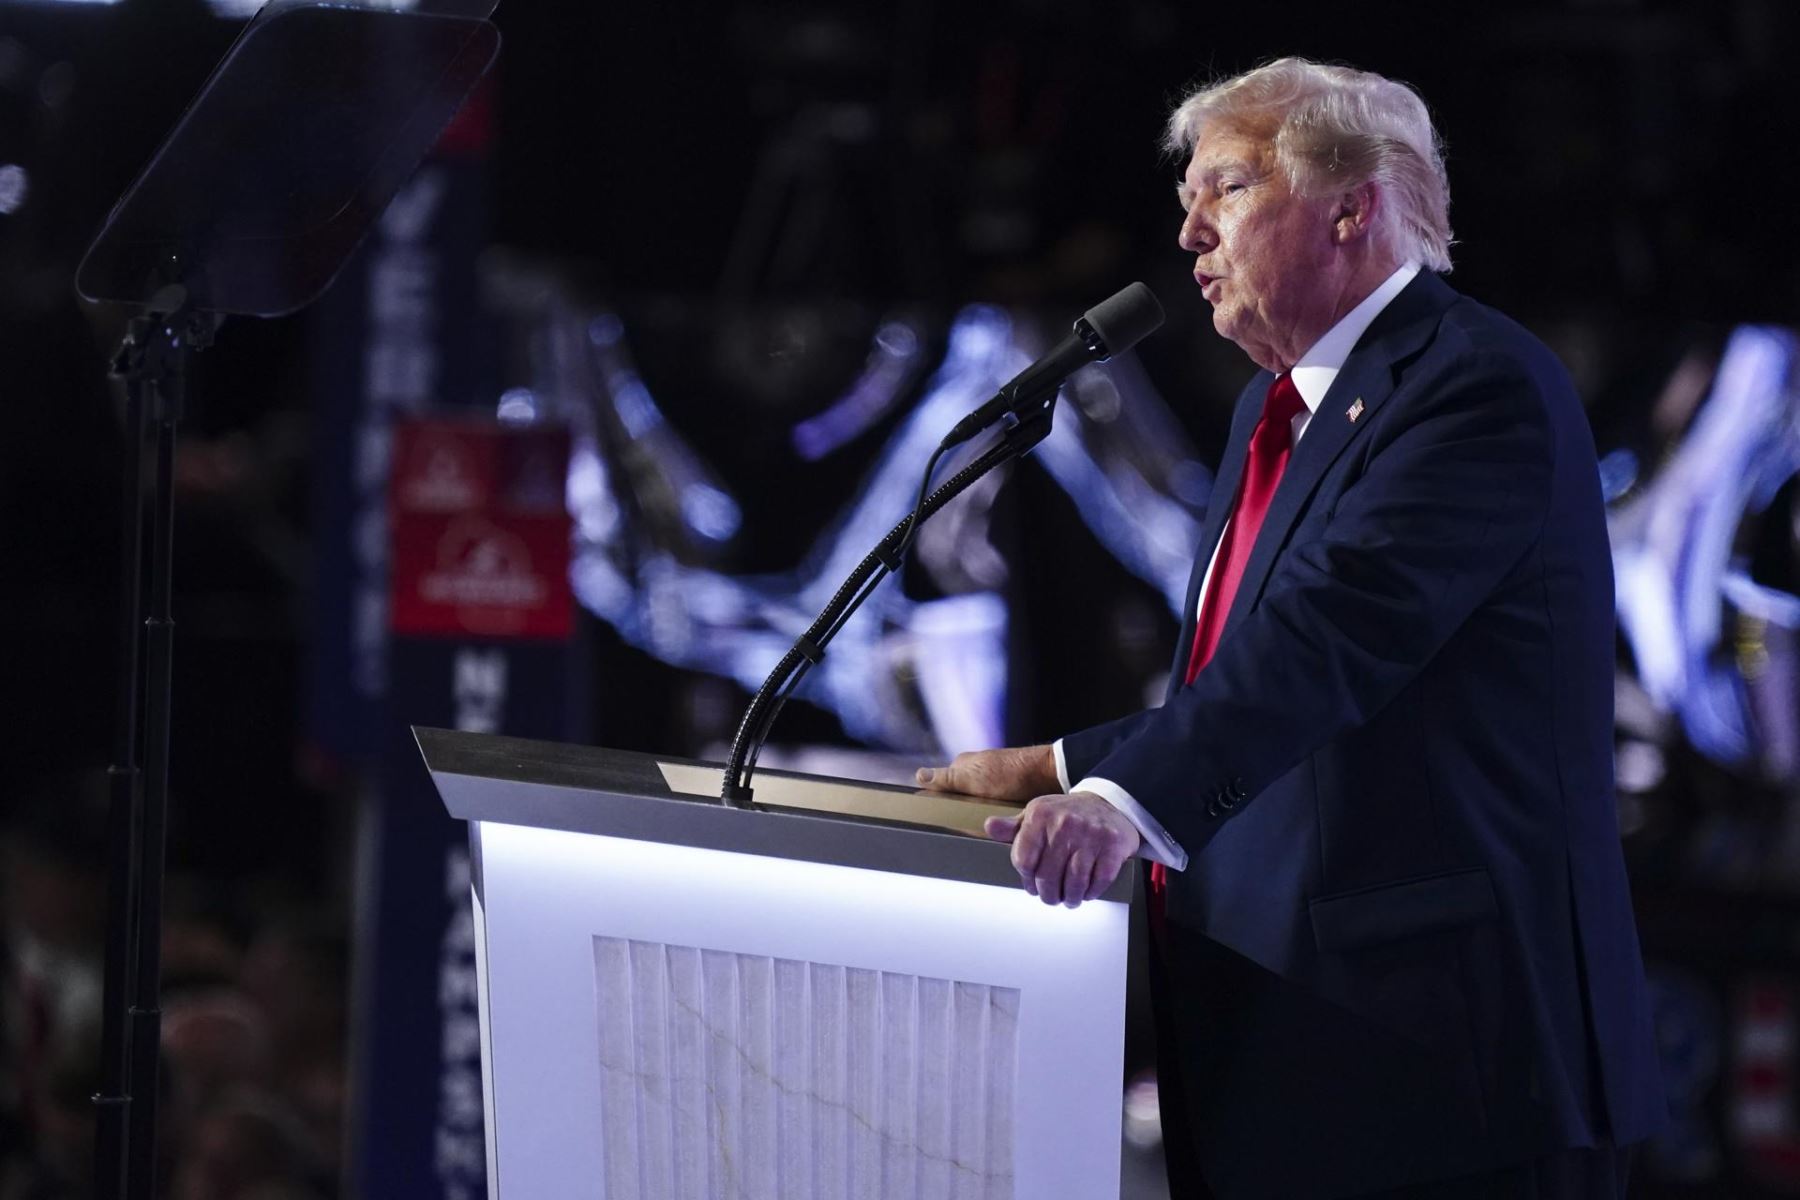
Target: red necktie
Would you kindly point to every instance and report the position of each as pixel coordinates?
(1270, 445)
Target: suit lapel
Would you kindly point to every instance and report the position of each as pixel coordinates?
(1368, 378)
(1218, 507)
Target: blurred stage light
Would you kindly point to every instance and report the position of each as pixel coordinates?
(1677, 563)
(890, 368)
(710, 512)
(1618, 472)
(606, 330)
(518, 406)
(1641, 767)
(15, 187)
(636, 410)
(738, 626)
(241, 10)
(230, 10)
(1143, 1112)
(651, 516)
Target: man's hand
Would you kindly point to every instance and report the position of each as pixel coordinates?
(1017, 773)
(1067, 849)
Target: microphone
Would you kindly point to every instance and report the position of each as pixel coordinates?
(1112, 326)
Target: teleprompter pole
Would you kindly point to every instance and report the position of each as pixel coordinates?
(152, 361)
(113, 1103)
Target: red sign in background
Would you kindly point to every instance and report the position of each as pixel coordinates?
(480, 531)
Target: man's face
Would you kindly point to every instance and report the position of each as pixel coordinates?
(1263, 254)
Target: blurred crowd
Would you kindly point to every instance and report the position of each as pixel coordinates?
(252, 1098)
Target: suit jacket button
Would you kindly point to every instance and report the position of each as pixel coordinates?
(1212, 810)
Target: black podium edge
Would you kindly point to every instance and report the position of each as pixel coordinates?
(621, 793)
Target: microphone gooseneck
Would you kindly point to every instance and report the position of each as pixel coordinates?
(1114, 325)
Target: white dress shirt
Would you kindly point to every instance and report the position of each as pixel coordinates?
(1313, 376)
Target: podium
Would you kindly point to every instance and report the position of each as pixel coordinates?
(841, 993)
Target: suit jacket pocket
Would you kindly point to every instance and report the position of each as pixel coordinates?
(1387, 912)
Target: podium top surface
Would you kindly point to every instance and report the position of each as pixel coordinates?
(660, 798)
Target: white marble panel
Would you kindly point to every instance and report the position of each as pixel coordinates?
(578, 928)
(760, 1078)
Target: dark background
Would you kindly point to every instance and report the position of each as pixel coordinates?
(1623, 182)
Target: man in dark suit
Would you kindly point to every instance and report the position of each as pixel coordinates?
(1393, 947)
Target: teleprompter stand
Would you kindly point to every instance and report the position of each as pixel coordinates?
(301, 137)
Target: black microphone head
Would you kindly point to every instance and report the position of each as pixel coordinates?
(1125, 318)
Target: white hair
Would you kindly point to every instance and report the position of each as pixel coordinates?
(1337, 128)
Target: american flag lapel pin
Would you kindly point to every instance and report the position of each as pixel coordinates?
(1355, 410)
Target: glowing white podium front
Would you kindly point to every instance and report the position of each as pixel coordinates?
(839, 994)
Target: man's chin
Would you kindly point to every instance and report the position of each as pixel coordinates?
(1226, 324)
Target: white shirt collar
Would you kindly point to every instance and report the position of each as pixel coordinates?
(1318, 368)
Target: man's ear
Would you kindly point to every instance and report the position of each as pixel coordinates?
(1354, 215)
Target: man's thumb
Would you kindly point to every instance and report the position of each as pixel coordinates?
(933, 777)
(1001, 829)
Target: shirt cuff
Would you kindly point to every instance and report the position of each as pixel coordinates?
(1157, 845)
(1062, 766)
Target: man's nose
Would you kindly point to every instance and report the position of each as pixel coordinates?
(1197, 233)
